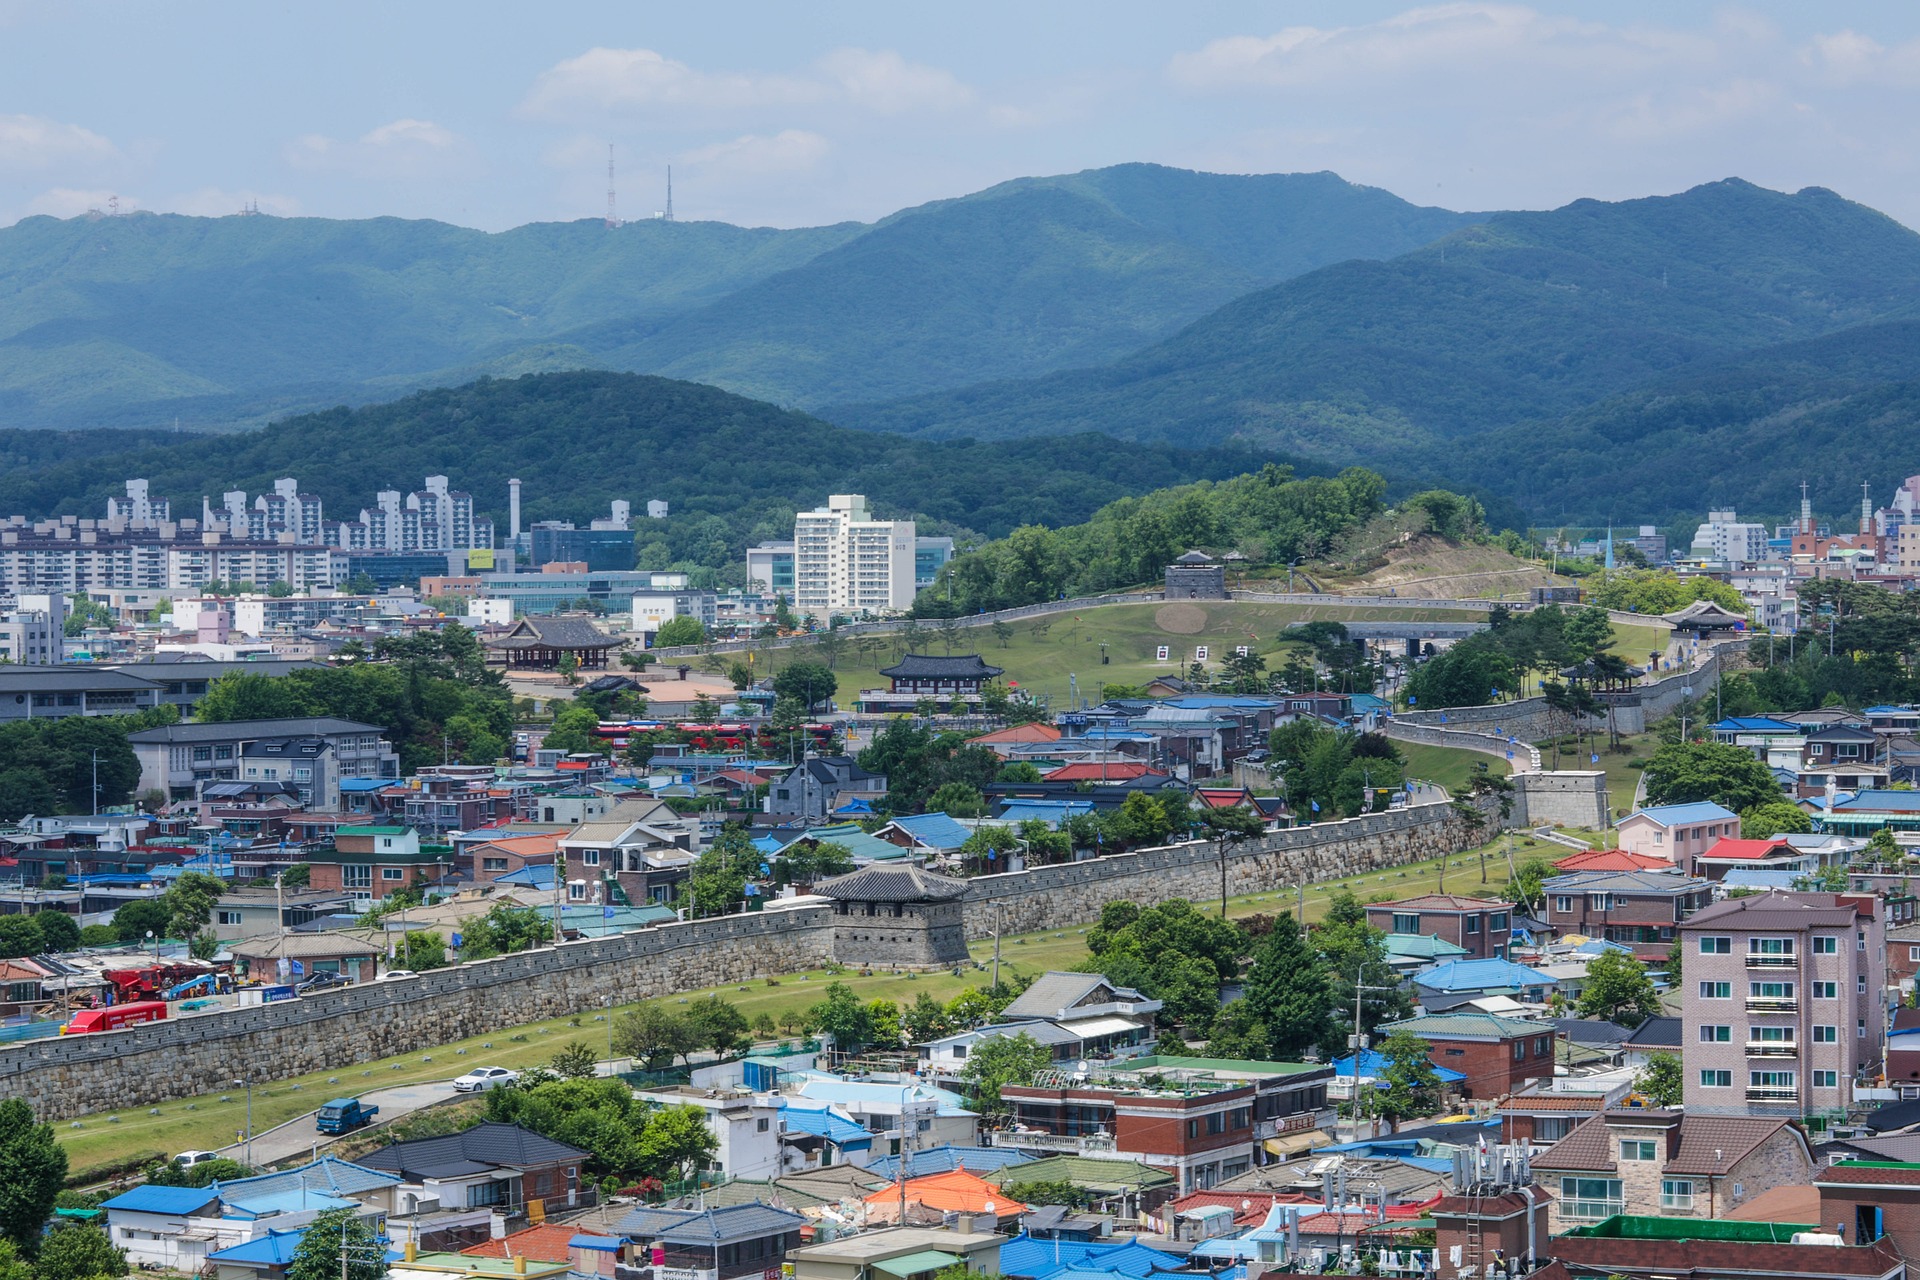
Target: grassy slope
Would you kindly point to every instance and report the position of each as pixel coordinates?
(213, 1123)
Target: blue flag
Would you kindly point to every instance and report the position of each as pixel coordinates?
(296, 969)
(1412, 701)
(1316, 806)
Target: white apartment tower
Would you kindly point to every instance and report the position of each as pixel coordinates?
(845, 561)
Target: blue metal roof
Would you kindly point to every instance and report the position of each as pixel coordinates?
(1753, 724)
(274, 1249)
(1043, 1259)
(537, 875)
(1044, 810)
(1673, 815)
(822, 1123)
(266, 1205)
(1477, 975)
(947, 1158)
(366, 784)
(1895, 801)
(328, 1175)
(175, 1202)
(1372, 1063)
(936, 829)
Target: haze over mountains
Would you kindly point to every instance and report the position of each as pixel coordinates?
(1631, 360)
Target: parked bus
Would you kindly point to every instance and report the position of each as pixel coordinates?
(116, 1016)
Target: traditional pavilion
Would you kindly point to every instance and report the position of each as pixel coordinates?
(540, 643)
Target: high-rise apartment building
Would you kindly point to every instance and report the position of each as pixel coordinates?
(1783, 1002)
(845, 561)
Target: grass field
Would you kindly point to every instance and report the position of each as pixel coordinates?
(1450, 767)
(214, 1119)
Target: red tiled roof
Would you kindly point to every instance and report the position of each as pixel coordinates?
(1610, 860)
(1849, 1174)
(541, 1244)
(1746, 850)
(1222, 797)
(1034, 732)
(1108, 771)
(1528, 1103)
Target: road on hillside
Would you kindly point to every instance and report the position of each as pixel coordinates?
(297, 1136)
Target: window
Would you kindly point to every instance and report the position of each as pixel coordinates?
(591, 857)
(1542, 1046)
(1712, 1079)
(1862, 1032)
(203, 753)
(483, 1194)
(1771, 1035)
(1193, 1128)
(1770, 1079)
(493, 864)
(356, 877)
(1636, 1149)
(1826, 1079)
(1600, 902)
(1913, 953)
(1769, 991)
(760, 1125)
(1860, 984)
(1716, 946)
(1563, 903)
(1551, 1128)
(1716, 1035)
(1497, 922)
(1519, 1050)
(1406, 923)
(1217, 1122)
(1473, 924)
(393, 873)
(1590, 1199)
(1676, 1193)
(226, 917)
(576, 892)
(1826, 946)
(1716, 991)
(1826, 991)
(1770, 950)
(1826, 1035)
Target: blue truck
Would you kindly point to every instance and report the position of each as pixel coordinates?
(344, 1115)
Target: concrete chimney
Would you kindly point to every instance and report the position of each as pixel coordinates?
(513, 510)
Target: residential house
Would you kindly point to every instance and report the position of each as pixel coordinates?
(722, 1243)
(1003, 741)
(1781, 1002)
(1459, 982)
(1676, 833)
(1497, 1055)
(489, 860)
(1843, 755)
(1903, 956)
(1866, 812)
(369, 862)
(1540, 1118)
(935, 1116)
(745, 1126)
(958, 1191)
(1655, 1035)
(927, 834)
(818, 1137)
(903, 1253)
(178, 759)
(1126, 1186)
(1408, 952)
(821, 784)
(451, 1186)
(544, 1243)
(1103, 1015)
(1610, 860)
(1653, 1161)
(642, 846)
(1732, 855)
(1481, 926)
(278, 957)
(1639, 909)
(149, 1223)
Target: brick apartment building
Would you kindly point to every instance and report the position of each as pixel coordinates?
(370, 862)
(1638, 909)
(1483, 926)
(1497, 1055)
(1782, 1003)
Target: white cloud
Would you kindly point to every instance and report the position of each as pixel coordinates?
(605, 80)
(401, 148)
(217, 202)
(789, 151)
(35, 142)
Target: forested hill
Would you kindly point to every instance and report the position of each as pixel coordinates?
(136, 321)
(1525, 316)
(732, 469)
(1027, 277)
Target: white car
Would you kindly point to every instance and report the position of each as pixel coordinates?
(188, 1159)
(398, 973)
(481, 1079)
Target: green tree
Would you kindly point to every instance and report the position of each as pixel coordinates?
(339, 1244)
(1663, 1079)
(676, 1142)
(654, 1035)
(1408, 1085)
(19, 936)
(574, 1062)
(1019, 771)
(1524, 888)
(189, 902)
(568, 669)
(1287, 988)
(1618, 990)
(12, 1265)
(1774, 818)
(136, 919)
(842, 1016)
(78, 1252)
(925, 1019)
(573, 730)
(885, 1017)
(718, 1025)
(1684, 773)
(808, 683)
(997, 1061)
(957, 800)
(678, 632)
(422, 949)
(718, 881)
(36, 1166)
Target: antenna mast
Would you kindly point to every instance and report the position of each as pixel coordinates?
(669, 193)
(613, 215)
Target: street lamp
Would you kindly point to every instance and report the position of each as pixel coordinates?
(248, 1082)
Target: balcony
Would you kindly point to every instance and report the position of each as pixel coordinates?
(1772, 1049)
(1773, 1004)
(1755, 960)
(1772, 1093)
(1591, 1210)
(1064, 1143)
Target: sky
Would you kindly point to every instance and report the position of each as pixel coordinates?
(493, 115)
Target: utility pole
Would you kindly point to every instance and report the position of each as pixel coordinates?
(96, 781)
(996, 944)
(1359, 1042)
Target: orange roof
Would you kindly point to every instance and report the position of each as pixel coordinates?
(1743, 850)
(957, 1191)
(541, 1244)
(1034, 732)
(526, 845)
(1223, 797)
(1611, 860)
(1109, 771)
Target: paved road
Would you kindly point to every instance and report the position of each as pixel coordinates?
(297, 1136)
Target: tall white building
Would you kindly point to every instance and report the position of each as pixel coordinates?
(1727, 539)
(845, 561)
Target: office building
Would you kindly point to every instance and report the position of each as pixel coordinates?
(1783, 1002)
(557, 541)
(653, 610)
(1728, 540)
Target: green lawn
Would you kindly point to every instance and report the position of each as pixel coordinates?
(1042, 652)
(213, 1120)
(1450, 767)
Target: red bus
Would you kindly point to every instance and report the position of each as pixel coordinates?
(116, 1016)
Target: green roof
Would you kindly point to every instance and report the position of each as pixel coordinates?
(1446, 1025)
(1627, 1227)
(373, 831)
(858, 842)
(915, 1263)
(1219, 1066)
(1109, 1177)
(1421, 946)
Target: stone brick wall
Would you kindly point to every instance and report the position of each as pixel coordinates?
(340, 1029)
(1569, 798)
(1072, 894)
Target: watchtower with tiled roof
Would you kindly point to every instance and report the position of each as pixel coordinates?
(897, 917)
